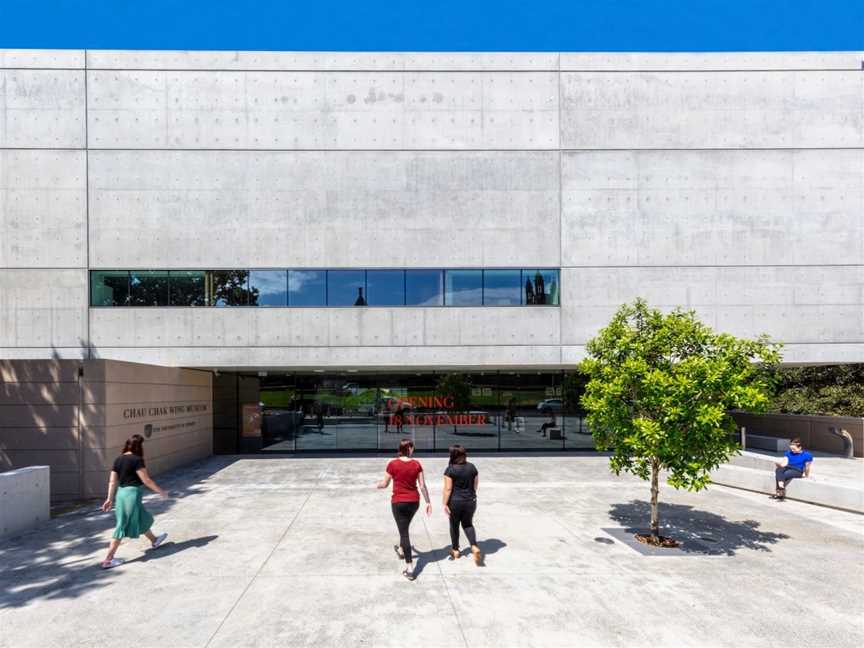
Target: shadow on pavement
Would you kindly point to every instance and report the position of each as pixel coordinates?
(171, 548)
(60, 558)
(700, 531)
(423, 558)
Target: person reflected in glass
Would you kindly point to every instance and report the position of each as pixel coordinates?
(128, 477)
(550, 422)
(510, 415)
(399, 418)
(406, 473)
(461, 480)
(319, 417)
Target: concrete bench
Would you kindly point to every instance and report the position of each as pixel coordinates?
(754, 472)
(760, 442)
(24, 499)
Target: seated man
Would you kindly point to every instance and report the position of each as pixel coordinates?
(794, 465)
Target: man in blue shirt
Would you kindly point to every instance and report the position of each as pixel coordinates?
(794, 465)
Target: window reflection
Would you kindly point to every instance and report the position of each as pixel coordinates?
(463, 287)
(541, 287)
(109, 288)
(427, 287)
(268, 288)
(307, 288)
(188, 288)
(148, 288)
(346, 288)
(424, 287)
(230, 288)
(502, 287)
(385, 287)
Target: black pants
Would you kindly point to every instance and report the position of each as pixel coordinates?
(786, 474)
(403, 513)
(462, 513)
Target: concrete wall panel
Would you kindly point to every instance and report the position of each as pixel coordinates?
(424, 357)
(709, 61)
(712, 110)
(792, 305)
(43, 203)
(332, 61)
(44, 59)
(268, 209)
(337, 327)
(663, 208)
(43, 308)
(42, 108)
(315, 110)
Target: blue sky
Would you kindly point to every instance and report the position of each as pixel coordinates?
(519, 25)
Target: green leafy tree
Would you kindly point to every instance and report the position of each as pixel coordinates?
(832, 390)
(659, 389)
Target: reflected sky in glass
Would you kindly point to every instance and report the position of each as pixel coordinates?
(307, 288)
(271, 287)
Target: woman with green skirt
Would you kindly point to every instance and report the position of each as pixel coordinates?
(133, 520)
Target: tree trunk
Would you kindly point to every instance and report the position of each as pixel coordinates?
(655, 491)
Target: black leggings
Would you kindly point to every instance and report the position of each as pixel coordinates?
(462, 513)
(403, 512)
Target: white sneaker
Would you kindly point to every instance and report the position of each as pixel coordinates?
(116, 562)
(159, 540)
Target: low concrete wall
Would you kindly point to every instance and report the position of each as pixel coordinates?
(75, 415)
(814, 431)
(25, 496)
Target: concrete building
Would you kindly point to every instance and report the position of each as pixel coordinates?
(732, 184)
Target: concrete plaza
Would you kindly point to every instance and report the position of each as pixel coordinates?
(275, 551)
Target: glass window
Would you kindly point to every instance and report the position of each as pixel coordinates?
(109, 288)
(541, 287)
(307, 288)
(385, 287)
(424, 287)
(502, 287)
(229, 288)
(268, 288)
(188, 288)
(463, 287)
(346, 288)
(148, 288)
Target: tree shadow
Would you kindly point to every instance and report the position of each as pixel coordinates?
(59, 559)
(699, 531)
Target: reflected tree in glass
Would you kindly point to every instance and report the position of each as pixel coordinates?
(149, 288)
(231, 288)
(188, 288)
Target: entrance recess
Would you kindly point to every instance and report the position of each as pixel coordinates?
(353, 411)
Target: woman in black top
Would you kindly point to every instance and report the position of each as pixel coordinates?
(460, 501)
(133, 519)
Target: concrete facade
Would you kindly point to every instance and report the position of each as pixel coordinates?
(75, 416)
(728, 183)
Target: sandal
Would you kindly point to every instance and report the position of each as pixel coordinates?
(399, 552)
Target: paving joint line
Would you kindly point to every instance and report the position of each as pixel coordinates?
(263, 564)
(446, 587)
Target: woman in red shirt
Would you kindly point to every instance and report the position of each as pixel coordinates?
(406, 473)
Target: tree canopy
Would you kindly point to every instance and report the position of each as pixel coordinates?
(659, 389)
